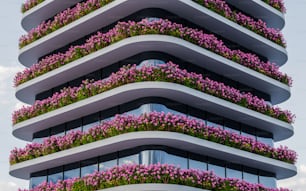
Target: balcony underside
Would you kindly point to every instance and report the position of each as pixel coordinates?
(193, 12)
(171, 139)
(281, 130)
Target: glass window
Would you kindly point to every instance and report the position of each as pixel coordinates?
(44, 95)
(151, 62)
(194, 164)
(250, 175)
(96, 75)
(107, 161)
(217, 166)
(89, 166)
(55, 174)
(265, 137)
(132, 159)
(232, 126)
(58, 130)
(214, 121)
(248, 131)
(267, 179)
(91, 121)
(38, 178)
(234, 171)
(77, 82)
(75, 125)
(148, 157)
(103, 166)
(158, 107)
(40, 136)
(71, 171)
(176, 160)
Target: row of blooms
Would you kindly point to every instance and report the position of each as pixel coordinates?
(155, 173)
(125, 30)
(154, 121)
(81, 9)
(257, 26)
(277, 4)
(168, 72)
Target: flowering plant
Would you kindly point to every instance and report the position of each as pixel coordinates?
(81, 9)
(168, 72)
(155, 173)
(29, 4)
(154, 121)
(277, 4)
(125, 30)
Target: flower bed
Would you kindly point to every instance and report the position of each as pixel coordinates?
(277, 4)
(125, 30)
(167, 73)
(29, 4)
(154, 121)
(81, 9)
(156, 173)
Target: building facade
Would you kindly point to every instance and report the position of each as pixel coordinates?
(146, 84)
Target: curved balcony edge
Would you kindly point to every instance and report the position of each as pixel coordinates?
(281, 130)
(259, 9)
(182, 49)
(43, 11)
(153, 187)
(171, 139)
(193, 12)
(278, 91)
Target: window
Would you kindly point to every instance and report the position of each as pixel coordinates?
(250, 175)
(58, 130)
(194, 164)
(89, 166)
(234, 171)
(217, 166)
(38, 178)
(75, 125)
(71, 171)
(176, 160)
(267, 179)
(152, 157)
(40, 136)
(91, 121)
(55, 175)
(132, 159)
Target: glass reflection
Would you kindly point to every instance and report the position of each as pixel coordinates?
(146, 157)
(128, 160)
(104, 166)
(35, 181)
(151, 62)
(218, 170)
(194, 164)
(249, 177)
(176, 160)
(55, 177)
(213, 121)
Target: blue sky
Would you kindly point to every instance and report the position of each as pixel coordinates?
(295, 34)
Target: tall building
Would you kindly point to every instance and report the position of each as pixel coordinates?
(201, 95)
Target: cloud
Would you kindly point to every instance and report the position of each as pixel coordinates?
(8, 186)
(7, 74)
(297, 183)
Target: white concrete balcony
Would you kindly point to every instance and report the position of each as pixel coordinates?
(259, 9)
(171, 139)
(193, 12)
(44, 11)
(182, 49)
(126, 93)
